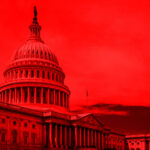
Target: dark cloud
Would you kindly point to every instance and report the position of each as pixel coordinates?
(134, 121)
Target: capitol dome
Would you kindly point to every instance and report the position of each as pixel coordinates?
(34, 49)
(34, 76)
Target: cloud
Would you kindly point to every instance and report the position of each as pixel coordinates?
(124, 119)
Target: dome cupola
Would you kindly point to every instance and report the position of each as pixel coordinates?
(34, 76)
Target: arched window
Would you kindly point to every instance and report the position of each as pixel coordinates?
(38, 74)
(14, 136)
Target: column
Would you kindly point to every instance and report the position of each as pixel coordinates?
(54, 97)
(41, 95)
(2, 97)
(76, 136)
(50, 135)
(88, 142)
(28, 97)
(66, 142)
(5, 96)
(80, 135)
(92, 138)
(9, 96)
(84, 136)
(102, 139)
(62, 98)
(95, 138)
(61, 145)
(48, 94)
(99, 141)
(59, 98)
(70, 138)
(66, 101)
(22, 95)
(15, 95)
(56, 137)
(35, 95)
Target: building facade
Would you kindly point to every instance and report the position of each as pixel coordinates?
(138, 142)
(34, 105)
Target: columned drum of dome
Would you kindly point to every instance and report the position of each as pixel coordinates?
(34, 75)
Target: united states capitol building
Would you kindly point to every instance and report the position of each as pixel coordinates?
(34, 105)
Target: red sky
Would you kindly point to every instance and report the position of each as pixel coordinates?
(102, 45)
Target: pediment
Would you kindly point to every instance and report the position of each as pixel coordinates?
(91, 120)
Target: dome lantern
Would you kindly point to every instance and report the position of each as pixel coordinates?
(35, 27)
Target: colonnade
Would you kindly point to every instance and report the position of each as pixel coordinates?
(63, 136)
(36, 95)
(60, 136)
(87, 137)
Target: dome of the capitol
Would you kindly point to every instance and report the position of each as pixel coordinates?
(34, 76)
(34, 49)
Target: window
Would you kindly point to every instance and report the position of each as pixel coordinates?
(32, 74)
(3, 137)
(37, 74)
(33, 126)
(25, 124)
(14, 136)
(14, 123)
(25, 137)
(3, 120)
(33, 136)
